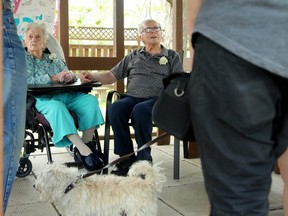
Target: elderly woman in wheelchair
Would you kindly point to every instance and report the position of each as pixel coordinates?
(48, 68)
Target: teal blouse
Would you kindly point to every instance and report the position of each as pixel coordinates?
(40, 71)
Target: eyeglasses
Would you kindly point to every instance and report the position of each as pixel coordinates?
(151, 29)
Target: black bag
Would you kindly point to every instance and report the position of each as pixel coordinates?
(171, 110)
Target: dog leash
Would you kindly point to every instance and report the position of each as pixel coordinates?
(124, 157)
(118, 160)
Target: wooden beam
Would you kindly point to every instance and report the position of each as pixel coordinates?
(63, 26)
(118, 23)
(118, 18)
(178, 25)
(92, 63)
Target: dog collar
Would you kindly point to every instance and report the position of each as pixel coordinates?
(72, 185)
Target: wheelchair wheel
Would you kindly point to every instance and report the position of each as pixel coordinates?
(24, 168)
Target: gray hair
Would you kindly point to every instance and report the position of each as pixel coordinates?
(141, 25)
(41, 26)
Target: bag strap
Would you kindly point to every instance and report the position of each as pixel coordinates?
(124, 157)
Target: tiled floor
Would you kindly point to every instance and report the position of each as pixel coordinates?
(183, 197)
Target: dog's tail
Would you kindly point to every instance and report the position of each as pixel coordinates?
(151, 173)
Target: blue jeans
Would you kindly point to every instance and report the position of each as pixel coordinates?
(240, 118)
(140, 112)
(14, 101)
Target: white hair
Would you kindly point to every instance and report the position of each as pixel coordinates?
(41, 26)
(142, 26)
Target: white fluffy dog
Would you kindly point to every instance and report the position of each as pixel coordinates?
(103, 195)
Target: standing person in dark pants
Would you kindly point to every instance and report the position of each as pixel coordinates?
(239, 101)
(14, 98)
(145, 68)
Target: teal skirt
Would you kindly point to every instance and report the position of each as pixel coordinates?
(55, 108)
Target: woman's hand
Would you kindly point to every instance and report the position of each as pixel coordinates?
(67, 77)
(86, 77)
(64, 77)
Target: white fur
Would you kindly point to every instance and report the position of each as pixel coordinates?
(103, 195)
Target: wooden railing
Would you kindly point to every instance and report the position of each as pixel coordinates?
(97, 33)
(88, 41)
(96, 50)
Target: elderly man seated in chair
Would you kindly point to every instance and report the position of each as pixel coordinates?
(46, 68)
(145, 68)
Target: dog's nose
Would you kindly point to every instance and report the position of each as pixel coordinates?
(33, 185)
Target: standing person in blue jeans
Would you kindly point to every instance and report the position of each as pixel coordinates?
(239, 101)
(14, 98)
(145, 68)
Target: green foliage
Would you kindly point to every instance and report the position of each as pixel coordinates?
(99, 13)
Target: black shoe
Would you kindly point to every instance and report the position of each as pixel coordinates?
(91, 162)
(75, 155)
(122, 168)
(92, 147)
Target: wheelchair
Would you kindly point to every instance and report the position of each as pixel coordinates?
(38, 134)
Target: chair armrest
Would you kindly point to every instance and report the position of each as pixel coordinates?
(116, 95)
(109, 100)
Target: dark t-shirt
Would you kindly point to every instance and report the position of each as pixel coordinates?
(256, 30)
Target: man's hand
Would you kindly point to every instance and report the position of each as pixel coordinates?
(86, 77)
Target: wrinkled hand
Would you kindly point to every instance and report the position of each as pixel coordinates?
(86, 77)
(66, 77)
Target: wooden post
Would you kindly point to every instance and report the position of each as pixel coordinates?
(177, 25)
(165, 140)
(118, 13)
(63, 33)
(192, 150)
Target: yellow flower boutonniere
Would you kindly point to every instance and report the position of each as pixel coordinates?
(163, 60)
